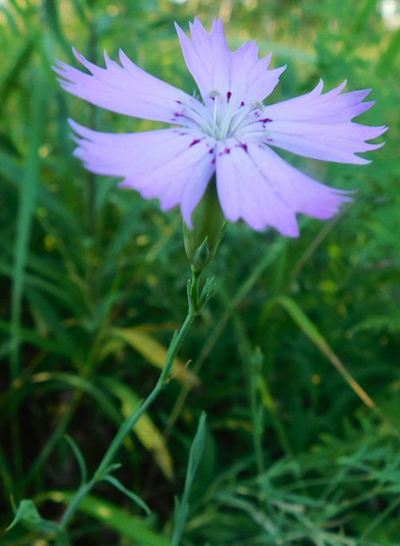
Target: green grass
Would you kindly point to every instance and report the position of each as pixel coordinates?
(295, 359)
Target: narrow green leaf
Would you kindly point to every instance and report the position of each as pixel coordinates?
(112, 468)
(79, 383)
(312, 332)
(79, 457)
(9, 168)
(32, 337)
(145, 430)
(197, 448)
(361, 19)
(154, 352)
(37, 281)
(17, 8)
(80, 9)
(388, 58)
(302, 320)
(21, 59)
(28, 514)
(182, 507)
(122, 236)
(53, 18)
(115, 518)
(118, 485)
(12, 25)
(27, 203)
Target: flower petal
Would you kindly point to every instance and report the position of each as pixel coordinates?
(238, 76)
(319, 126)
(207, 57)
(250, 76)
(255, 184)
(172, 165)
(125, 89)
(330, 142)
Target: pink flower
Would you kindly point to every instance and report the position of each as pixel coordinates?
(230, 133)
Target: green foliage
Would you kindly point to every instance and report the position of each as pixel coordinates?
(28, 515)
(182, 506)
(93, 284)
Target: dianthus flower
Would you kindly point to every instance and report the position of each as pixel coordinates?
(229, 133)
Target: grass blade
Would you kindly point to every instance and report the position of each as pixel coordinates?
(115, 518)
(29, 185)
(79, 457)
(311, 331)
(182, 507)
(118, 485)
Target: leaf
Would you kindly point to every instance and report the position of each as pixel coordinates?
(196, 451)
(378, 324)
(79, 457)
(11, 23)
(51, 10)
(28, 514)
(30, 182)
(80, 9)
(33, 338)
(182, 508)
(312, 333)
(118, 485)
(155, 353)
(20, 61)
(145, 430)
(9, 168)
(122, 236)
(115, 518)
(388, 57)
(76, 382)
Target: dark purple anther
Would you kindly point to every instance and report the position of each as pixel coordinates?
(228, 96)
(243, 146)
(242, 104)
(265, 120)
(195, 141)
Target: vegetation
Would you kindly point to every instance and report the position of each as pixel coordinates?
(295, 358)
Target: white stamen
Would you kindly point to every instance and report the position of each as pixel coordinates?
(222, 119)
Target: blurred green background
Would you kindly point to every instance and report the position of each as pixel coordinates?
(93, 285)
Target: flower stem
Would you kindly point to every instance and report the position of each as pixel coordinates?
(160, 385)
(196, 304)
(195, 289)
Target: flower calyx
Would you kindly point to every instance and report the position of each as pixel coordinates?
(201, 242)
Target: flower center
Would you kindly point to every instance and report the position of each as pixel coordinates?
(221, 117)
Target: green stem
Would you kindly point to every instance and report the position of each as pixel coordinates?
(130, 422)
(195, 287)
(161, 383)
(73, 505)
